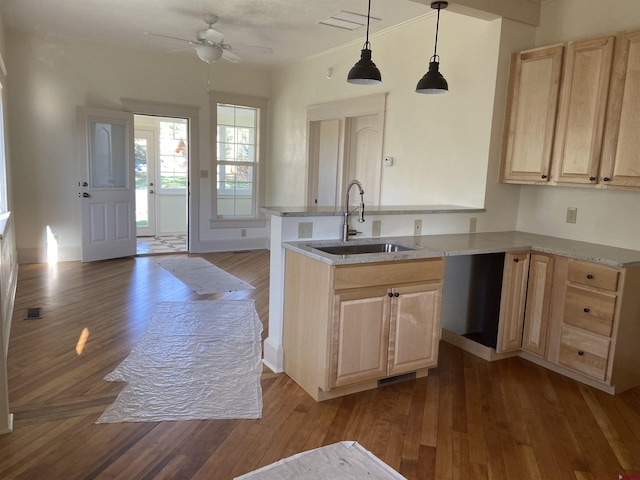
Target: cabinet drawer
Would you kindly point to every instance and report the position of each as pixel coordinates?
(593, 275)
(388, 273)
(589, 310)
(584, 352)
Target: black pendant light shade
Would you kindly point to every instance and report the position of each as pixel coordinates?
(365, 72)
(433, 81)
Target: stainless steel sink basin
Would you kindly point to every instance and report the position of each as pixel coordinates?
(358, 249)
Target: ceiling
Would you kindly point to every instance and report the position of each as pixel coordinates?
(266, 33)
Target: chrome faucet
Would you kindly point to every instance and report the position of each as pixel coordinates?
(346, 231)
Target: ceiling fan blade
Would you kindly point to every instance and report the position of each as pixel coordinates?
(228, 55)
(171, 38)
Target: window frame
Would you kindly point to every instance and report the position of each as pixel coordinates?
(239, 100)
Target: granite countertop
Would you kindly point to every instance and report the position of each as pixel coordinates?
(430, 246)
(370, 210)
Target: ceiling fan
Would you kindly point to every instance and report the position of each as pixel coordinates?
(209, 44)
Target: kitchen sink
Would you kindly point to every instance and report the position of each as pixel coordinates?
(358, 249)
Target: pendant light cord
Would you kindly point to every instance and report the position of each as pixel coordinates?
(366, 43)
(435, 48)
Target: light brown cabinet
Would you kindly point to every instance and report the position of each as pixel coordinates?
(348, 326)
(525, 302)
(384, 332)
(581, 130)
(620, 161)
(575, 316)
(581, 112)
(532, 105)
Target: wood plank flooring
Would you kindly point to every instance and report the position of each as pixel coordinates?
(468, 419)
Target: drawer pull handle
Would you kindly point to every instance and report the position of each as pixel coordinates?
(586, 310)
(589, 276)
(580, 352)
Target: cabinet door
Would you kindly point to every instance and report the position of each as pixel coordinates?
(620, 160)
(414, 332)
(582, 108)
(531, 114)
(359, 337)
(536, 319)
(512, 304)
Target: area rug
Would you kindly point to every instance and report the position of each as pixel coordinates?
(196, 360)
(202, 276)
(344, 461)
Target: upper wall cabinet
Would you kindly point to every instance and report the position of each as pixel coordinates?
(531, 114)
(620, 159)
(589, 136)
(583, 102)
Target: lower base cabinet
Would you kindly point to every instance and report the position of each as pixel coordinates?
(348, 326)
(579, 316)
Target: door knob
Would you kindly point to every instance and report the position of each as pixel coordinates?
(86, 195)
(150, 191)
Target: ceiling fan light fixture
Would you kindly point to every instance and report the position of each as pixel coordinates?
(209, 53)
(365, 72)
(433, 81)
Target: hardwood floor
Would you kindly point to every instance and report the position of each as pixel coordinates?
(468, 419)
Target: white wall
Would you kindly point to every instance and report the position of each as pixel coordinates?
(446, 147)
(48, 77)
(604, 216)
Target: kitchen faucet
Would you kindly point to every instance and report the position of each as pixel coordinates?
(346, 232)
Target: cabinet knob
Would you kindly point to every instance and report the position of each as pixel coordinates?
(589, 276)
(396, 294)
(544, 176)
(606, 179)
(516, 260)
(580, 352)
(390, 294)
(592, 179)
(586, 310)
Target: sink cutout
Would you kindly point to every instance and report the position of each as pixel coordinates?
(363, 248)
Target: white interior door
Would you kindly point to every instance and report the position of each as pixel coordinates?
(364, 156)
(145, 163)
(107, 184)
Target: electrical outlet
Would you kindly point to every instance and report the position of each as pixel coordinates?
(388, 161)
(375, 228)
(572, 215)
(305, 229)
(417, 227)
(473, 223)
(243, 232)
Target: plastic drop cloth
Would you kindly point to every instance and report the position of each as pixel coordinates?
(343, 460)
(196, 360)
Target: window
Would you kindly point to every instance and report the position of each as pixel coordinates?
(3, 168)
(239, 155)
(174, 155)
(236, 153)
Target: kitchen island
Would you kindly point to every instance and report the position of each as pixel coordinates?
(585, 348)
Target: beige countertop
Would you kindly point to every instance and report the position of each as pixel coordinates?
(429, 246)
(370, 210)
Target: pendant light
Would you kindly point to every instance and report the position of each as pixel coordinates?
(433, 81)
(365, 72)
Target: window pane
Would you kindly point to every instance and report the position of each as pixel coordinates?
(236, 143)
(174, 154)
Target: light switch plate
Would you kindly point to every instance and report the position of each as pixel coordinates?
(572, 215)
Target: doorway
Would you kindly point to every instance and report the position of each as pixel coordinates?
(161, 149)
